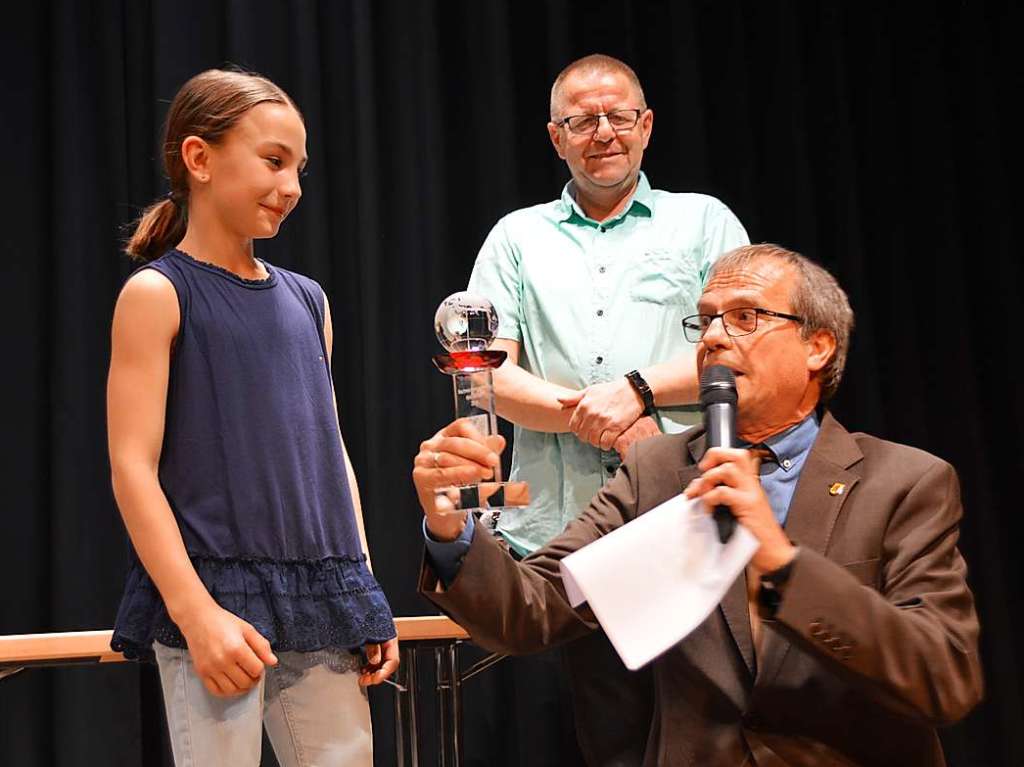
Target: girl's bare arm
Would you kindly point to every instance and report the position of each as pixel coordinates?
(227, 652)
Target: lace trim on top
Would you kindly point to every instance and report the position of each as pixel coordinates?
(263, 282)
(298, 605)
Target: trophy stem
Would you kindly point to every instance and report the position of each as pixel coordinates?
(474, 401)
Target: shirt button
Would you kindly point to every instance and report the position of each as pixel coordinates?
(600, 228)
(786, 463)
(599, 360)
(601, 269)
(600, 312)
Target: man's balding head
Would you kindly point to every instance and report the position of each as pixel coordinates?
(593, 64)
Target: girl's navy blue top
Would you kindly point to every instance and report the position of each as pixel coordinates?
(253, 469)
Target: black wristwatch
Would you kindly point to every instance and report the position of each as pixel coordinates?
(769, 596)
(643, 389)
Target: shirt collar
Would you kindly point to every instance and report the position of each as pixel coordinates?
(792, 444)
(642, 204)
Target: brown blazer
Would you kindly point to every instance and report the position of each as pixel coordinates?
(873, 646)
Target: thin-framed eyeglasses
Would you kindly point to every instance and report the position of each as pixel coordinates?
(621, 120)
(741, 321)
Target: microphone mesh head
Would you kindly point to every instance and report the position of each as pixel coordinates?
(717, 385)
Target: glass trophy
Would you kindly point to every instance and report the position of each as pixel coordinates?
(465, 325)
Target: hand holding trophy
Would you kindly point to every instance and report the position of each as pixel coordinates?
(465, 325)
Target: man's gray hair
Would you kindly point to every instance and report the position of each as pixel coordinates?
(595, 62)
(816, 297)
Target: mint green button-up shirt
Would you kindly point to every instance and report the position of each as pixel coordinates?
(589, 301)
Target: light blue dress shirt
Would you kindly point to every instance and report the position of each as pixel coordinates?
(779, 477)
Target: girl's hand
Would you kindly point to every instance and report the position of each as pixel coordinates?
(382, 662)
(228, 654)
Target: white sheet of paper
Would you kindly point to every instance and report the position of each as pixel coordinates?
(654, 580)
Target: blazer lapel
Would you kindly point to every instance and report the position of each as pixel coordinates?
(825, 484)
(734, 604)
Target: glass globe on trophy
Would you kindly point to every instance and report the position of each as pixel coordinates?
(466, 324)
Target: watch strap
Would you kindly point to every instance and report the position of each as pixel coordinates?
(643, 389)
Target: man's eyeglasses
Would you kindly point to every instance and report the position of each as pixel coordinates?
(737, 322)
(621, 120)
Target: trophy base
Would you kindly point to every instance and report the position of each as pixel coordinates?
(487, 496)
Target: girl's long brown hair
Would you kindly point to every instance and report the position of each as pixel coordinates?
(207, 106)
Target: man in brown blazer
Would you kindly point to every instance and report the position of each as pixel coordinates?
(851, 636)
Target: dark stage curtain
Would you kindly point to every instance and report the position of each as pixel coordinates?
(876, 137)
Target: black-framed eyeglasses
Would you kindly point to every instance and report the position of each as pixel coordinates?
(621, 120)
(737, 322)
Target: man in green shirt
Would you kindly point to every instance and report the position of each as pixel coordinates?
(589, 288)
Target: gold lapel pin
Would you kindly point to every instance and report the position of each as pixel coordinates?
(837, 488)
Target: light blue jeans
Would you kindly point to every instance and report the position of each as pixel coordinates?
(315, 713)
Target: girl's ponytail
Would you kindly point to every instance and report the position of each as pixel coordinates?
(161, 226)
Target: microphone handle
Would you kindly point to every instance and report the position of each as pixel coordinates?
(724, 521)
(720, 420)
(720, 424)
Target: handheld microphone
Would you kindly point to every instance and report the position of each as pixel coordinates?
(718, 404)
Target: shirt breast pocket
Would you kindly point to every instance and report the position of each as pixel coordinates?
(665, 277)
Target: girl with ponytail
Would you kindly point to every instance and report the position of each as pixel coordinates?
(250, 582)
